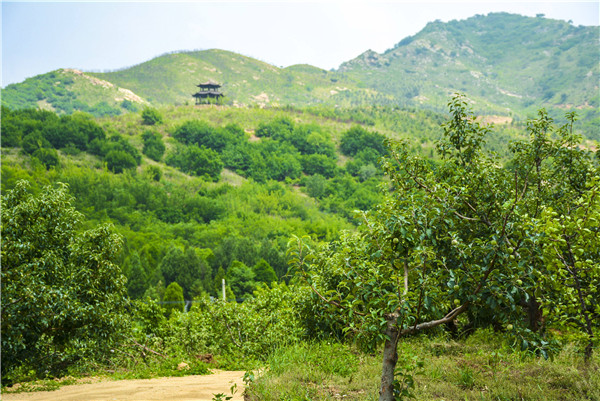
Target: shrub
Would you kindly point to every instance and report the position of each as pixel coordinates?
(151, 116)
(173, 298)
(48, 157)
(118, 160)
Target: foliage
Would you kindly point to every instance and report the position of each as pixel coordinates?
(151, 116)
(486, 359)
(237, 334)
(62, 293)
(34, 142)
(264, 273)
(358, 139)
(197, 161)
(118, 161)
(63, 92)
(173, 298)
(48, 157)
(452, 238)
(154, 147)
(185, 267)
(241, 279)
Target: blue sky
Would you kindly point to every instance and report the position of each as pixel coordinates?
(42, 36)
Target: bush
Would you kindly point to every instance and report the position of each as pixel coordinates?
(173, 298)
(154, 147)
(197, 161)
(151, 116)
(118, 160)
(357, 139)
(48, 157)
(34, 142)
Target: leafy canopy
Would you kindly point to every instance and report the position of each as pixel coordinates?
(63, 295)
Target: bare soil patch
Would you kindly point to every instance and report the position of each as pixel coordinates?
(188, 388)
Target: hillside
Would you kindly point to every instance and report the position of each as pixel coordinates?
(504, 62)
(509, 65)
(171, 79)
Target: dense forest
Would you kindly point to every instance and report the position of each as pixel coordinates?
(359, 226)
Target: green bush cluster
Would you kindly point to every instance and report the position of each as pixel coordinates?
(235, 333)
(40, 132)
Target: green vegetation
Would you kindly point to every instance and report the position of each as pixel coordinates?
(151, 116)
(476, 229)
(485, 366)
(57, 283)
(509, 65)
(68, 91)
(472, 238)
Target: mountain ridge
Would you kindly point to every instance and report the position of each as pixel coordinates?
(507, 64)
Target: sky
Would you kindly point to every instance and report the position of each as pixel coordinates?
(38, 37)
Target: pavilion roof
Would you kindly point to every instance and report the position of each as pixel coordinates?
(209, 83)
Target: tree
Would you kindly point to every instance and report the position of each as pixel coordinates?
(458, 238)
(34, 141)
(118, 160)
(173, 298)
(316, 186)
(151, 116)
(264, 273)
(57, 284)
(197, 161)
(357, 139)
(154, 147)
(241, 279)
(184, 267)
(136, 280)
(48, 157)
(319, 164)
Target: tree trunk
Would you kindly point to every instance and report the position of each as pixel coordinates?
(589, 348)
(390, 358)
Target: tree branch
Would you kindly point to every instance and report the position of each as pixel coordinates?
(434, 323)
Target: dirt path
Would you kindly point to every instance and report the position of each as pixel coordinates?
(188, 388)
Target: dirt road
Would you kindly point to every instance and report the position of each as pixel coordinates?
(188, 388)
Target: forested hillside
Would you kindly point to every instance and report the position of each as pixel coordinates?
(219, 187)
(502, 61)
(363, 213)
(320, 228)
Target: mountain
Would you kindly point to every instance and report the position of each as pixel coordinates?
(507, 64)
(500, 60)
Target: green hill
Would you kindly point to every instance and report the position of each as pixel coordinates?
(503, 62)
(171, 79)
(508, 65)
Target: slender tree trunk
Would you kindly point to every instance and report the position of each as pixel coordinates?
(390, 358)
(535, 314)
(589, 348)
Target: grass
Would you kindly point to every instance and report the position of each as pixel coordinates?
(89, 374)
(320, 371)
(484, 367)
